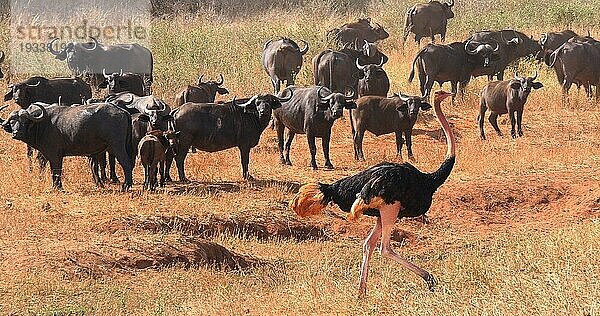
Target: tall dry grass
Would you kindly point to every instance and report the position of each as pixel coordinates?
(523, 265)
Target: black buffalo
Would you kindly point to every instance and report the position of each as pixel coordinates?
(550, 41)
(428, 19)
(202, 92)
(86, 130)
(337, 70)
(282, 60)
(93, 58)
(214, 127)
(373, 79)
(380, 115)
(118, 82)
(512, 46)
(355, 33)
(311, 111)
(452, 62)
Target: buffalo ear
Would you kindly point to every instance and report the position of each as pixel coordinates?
(144, 118)
(222, 91)
(494, 57)
(350, 105)
(322, 106)
(103, 85)
(537, 85)
(250, 108)
(515, 85)
(167, 118)
(9, 95)
(425, 106)
(275, 104)
(358, 75)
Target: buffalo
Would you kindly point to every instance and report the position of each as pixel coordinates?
(202, 92)
(428, 19)
(452, 62)
(373, 79)
(550, 41)
(93, 58)
(512, 46)
(355, 33)
(214, 127)
(381, 115)
(311, 111)
(63, 91)
(337, 70)
(153, 149)
(506, 97)
(86, 130)
(577, 61)
(118, 82)
(282, 60)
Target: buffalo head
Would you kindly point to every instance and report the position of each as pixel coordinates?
(333, 105)
(411, 105)
(371, 71)
(19, 122)
(261, 105)
(213, 87)
(74, 52)
(447, 7)
(522, 86)
(26, 92)
(485, 50)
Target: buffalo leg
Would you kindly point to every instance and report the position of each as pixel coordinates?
(125, 161)
(280, 128)
(288, 147)
(112, 166)
(168, 162)
(325, 143)
(245, 157)
(482, 109)
(180, 162)
(408, 136)
(358, 140)
(494, 121)
(399, 143)
(513, 123)
(519, 120)
(56, 169)
(312, 146)
(161, 170)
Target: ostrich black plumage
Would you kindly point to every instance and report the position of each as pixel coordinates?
(387, 191)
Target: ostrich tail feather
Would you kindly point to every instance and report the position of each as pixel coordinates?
(308, 201)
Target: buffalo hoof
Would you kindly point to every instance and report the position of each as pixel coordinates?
(329, 166)
(115, 180)
(431, 282)
(168, 179)
(411, 158)
(126, 187)
(184, 180)
(520, 133)
(482, 137)
(249, 178)
(288, 162)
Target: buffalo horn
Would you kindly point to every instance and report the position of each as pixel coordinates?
(51, 49)
(451, 4)
(104, 73)
(469, 51)
(267, 44)
(200, 79)
(305, 49)
(4, 107)
(249, 101)
(403, 97)
(36, 118)
(220, 82)
(2, 56)
(319, 93)
(380, 62)
(535, 75)
(34, 85)
(95, 43)
(351, 95)
(285, 99)
(358, 65)
(543, 39)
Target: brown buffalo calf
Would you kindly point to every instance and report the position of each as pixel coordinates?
(153, 150)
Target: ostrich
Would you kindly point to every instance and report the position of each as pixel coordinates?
(387, 191)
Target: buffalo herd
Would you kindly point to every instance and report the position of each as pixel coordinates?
(58, 117)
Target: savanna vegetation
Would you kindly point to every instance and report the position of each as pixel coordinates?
(514, 231)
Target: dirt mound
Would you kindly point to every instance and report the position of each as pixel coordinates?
(262, 228)
(129, 255)
(487, 204)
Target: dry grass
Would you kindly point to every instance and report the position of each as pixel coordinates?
(514, 231)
